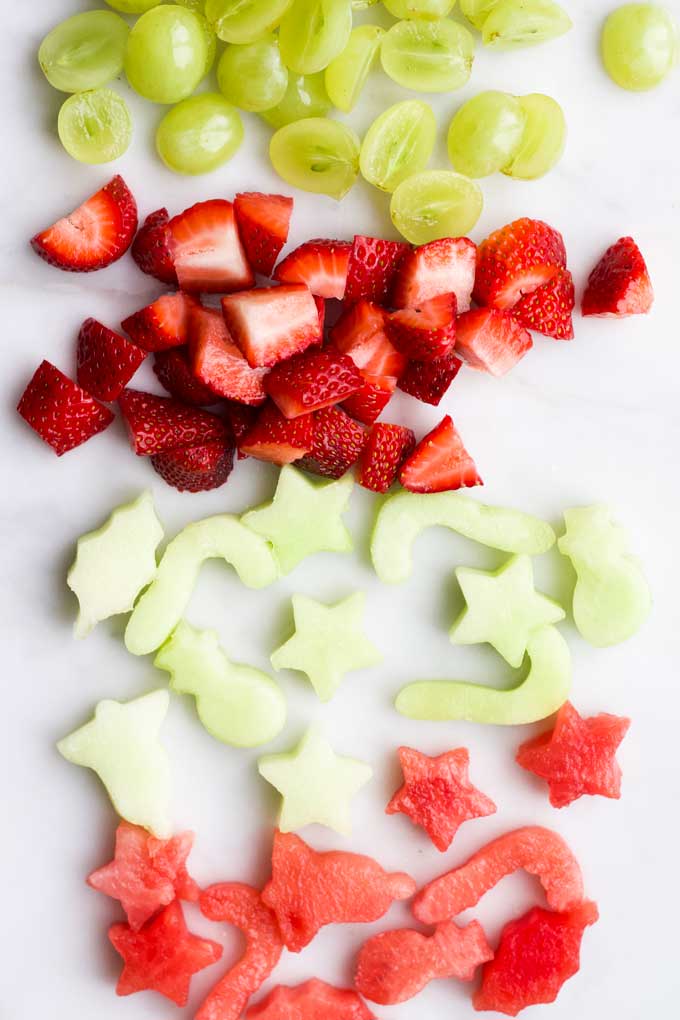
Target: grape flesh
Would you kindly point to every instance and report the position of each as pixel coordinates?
(434, 204)
(305, 96)
(199, 134)
(253, 77)
(477, 11)
(85, 51)
(485, 133)
(346, 75)
(314, 32)
(639, 46)
(419, 8)
(197, 6)
(398, 144)
(133, 6)
(515, 23)
(245, 21)
(317, 155)
(428, 56)
(167, 54)
(543, 139)
(95, 126)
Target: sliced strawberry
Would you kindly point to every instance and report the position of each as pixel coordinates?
(157, 424)
(93, 236)
(277, 439)
(63, 414)
(372, 267)
(548, 309)
(272, 323)
(440, 267)
(516, 260)
(426, 332)
(619, 285)
(152, 248)
(162, 324)
(240, 418)
(491, 340)
(371, 399)
(387, 448)
(196, 468)
(263, 223)
(337, 443)
(429, 381)
(360, 332)
(218, 363)
(439, 462)
(311, 381)
(320, 264)
(321, 309)
(106, 360)
(173, 369)
(208, 252)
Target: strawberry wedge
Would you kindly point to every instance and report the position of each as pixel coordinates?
(425, 332)
(516, 260)
(439, 462)
(158, 424)
(218, 363)
(320, 264)
(162, 324)
(619, 285)
(61, 412)
(106, 360)
(491, 340)
(336, 444)
(263, 223)
(373, 264)
(311, 381)
(207, 249)
(272, 323)
(360, 332)
(276, 439)
(440, 267)
(152, 248)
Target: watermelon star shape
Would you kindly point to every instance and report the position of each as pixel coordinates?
(316, 784)
(503, 608)
(329, 641)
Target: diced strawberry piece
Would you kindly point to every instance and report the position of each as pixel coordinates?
(277, 439)
(173, 369)
(218, 363)
(60, 411)
(321, 309)
(548, 309)
(440, 267)
(336, 445)
(311, 381)
(263, 223)
(516, 260)
(320, 264)
(439, 462)
(360, 332)
(93, 236)
(208, 252)
(373, 264)
(196, 468)
(241, 418)
(429, 381)
(157, 424)
(491, 340)
(162, 324)
(152, 248)
(272, 323)
(106, 360)
(387, 448)
(619, 285)
(426, 332)
(371, 399)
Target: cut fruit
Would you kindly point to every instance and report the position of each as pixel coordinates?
(207, 248)
(272, 323)
(173, 370)
(106, 360)
(337, 444)
(373, 264)
(320, 264)
(311, 381)
(60, 411)
(619, 285)
(152, 248)
(314, 1000)
(439, 462)
(510, 25)
(276, 439)
(517, 260)
(163, 324)
(347, 73)
(371, 399)
(429, 381)
(360, 332)
(398, 144)
(219, 364)
(158, 424)
(548, 310)
(491, 340)
(387, 448)
(440, 267)
(199, 468)
(263, 222)
(427, 331)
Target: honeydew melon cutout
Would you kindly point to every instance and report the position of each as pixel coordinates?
(237, 704)
(114, 563)
(404, 516)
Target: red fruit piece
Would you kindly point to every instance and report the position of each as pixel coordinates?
(372, 267)
(619, 285)
(426, 332)
(60, 411)
(263, 223)
(157, 424)
(337, 444)
(320, 264)
(387, 448)
(539, 851)
(315, 1000)
(396, 965)
(311, 381)
(371, 399)
(309, 889)
(440, 267)
(491, 340)
(429, 381)
(241, 418)
(152, 248)
(242, 906)
(578, 756)
(196, 468)
(321, 309)
(106, 360)
(548, 310)
(277, 439)
(163, 956)
(218, 363)
(537, 954)
(516, 260)
(207, 248)
(146, 873)
(360, 333)
(438, 795)
(174, 373)
(439, 462)
(93, 236)
(272, 323)
(162, 324)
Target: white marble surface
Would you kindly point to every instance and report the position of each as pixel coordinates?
(596, 419)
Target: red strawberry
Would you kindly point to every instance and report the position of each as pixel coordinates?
(277, 439)
(173, 369)
(387, 448)
(272, 323)
(311, 381)
(320, 264)
(321, 309)
(440, 267)
(548, 310)
(619, 285)
(336, 445)
(106, 360)
(218, 363)
(439, 462)
(241, 418)
(426, 332)
(491, 340)
(372, 266)
(163, 324)
(516, 260)
(196, 468)
(430, 380)
(63, 414)
(263, 223)
(93, 236)
(360, 332)
(207, 248)
(157, 424)
(371, 399)
(152, 248)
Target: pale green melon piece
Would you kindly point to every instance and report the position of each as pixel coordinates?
(238, 705)
(121, 744)
(114, 563)
(611, 598)
(403, 516)
(162, 606)
(544, 691)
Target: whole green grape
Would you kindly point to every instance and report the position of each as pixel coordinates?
(515, 23)
(428, 56)
(244, 21)
(305, 96)
(543, 138)
(85, 51)
(485, 133)
(639, 46)
(346, 75)
(210, 42)
(167, 54)
(95, 126)
(419, 8)
(313, 32)
(199, 134)
(434, 204)
(253, 76)
(133, 6)
(398, 144)
(317, 155)
(477, 11)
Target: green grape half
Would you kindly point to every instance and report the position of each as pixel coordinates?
(167, 54)
(346, 75)
(419, 8)
(199, 134)
(477, 11)
(428, 56)
(515, 23)
(133, 6)
(434, 204)
(361, 5)
(95, 126)
(318, 155)
(85, 51)
(485, 133)
(305, 96)
(543, 139)
(639, 46)
(197, 6)
(313, 32)
(253, 76)
(398, 144)
(245, 21)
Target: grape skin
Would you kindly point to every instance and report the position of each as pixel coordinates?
(95, 126)
(639, 46)
(434, 204)
(515, 23)
(428, 56)
(313, 32)
(167, 54)
(305, 97)
(477, 11)
(485, 133)
(543, 140)
(199, 134)
(398, 144)
(245, 21)
(346, 75)
(252, 76)
(85, 51)
(318, 155)
(133, 6)
(419, 8)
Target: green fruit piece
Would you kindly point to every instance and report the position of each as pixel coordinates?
(543, 139)
(303, 518)
(317, 154)
(134, 6)
(114, 563)
(435, 204)
(639, 45)
(428, 9)
(84, 52)
(252, 76)
(199, 134)
(544, 690)
(316, 784)
(398, 144)
(477, 11)
(485, 133)
(313, 32)
(238, 705)
(167, 54)
(162, 605)
(305, 97)
(122, 746)
(612, 598)
(329, 641)
(244, 21)
(346, 75)
(402, 518)
(511, 24)
(95, 126)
